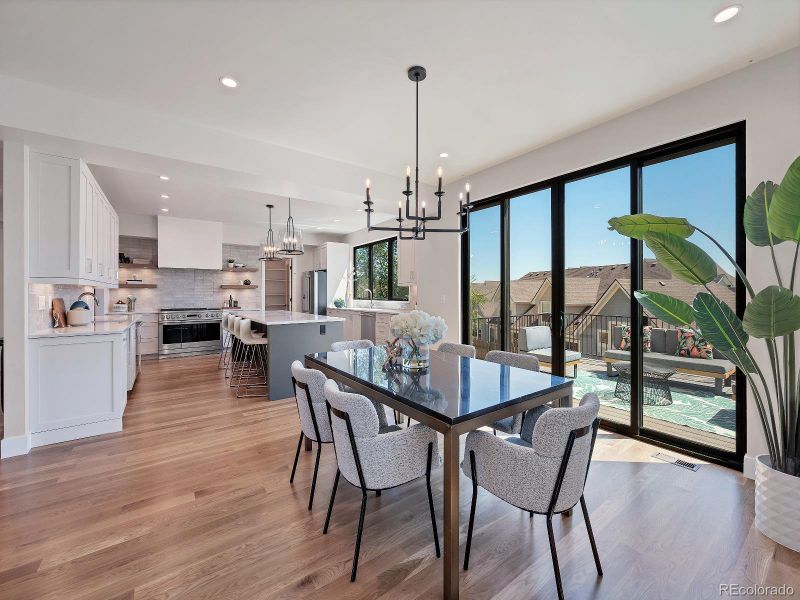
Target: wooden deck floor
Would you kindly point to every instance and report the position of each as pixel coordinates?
(192, 501)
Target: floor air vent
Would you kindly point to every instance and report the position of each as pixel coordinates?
(676, 461)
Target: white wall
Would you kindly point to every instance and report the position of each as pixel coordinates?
(766, 95)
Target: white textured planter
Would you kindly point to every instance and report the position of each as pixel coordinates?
(777, 501)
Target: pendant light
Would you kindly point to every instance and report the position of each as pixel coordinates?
(268, 248)
(292, 244)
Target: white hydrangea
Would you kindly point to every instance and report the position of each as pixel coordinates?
(419, 327)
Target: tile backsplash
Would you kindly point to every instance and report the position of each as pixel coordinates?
(40, 318)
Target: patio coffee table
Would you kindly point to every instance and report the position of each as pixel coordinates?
(654, 379)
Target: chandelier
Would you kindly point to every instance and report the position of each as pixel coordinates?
(269, 251)
(292, 244)
(417, 225)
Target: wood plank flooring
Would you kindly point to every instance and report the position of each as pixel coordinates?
(192, 501)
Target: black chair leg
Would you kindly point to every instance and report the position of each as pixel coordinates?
(430, 501)
(314, 478)
(377, 492)
(472, 508)
(296, 456)
(358, 536)
(591, 537)
(554, 555)
(330, 504)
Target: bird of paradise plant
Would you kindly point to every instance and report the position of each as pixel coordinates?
(771, 217)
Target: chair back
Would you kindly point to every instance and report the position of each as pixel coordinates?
(352, 417)
(513, 359)
(351, 345)
(460, 349)
(563, 440)
(310, 398)
(535, 338)
(237, 322)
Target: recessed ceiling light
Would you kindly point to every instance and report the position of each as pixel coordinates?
(164, 210)
(229, 82)
(319, 227)
(359, 210)
(336, 220)
(727, 13)
(443, 155)
(163, 177)
(165, 197)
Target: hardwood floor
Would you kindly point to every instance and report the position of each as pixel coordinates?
(193, 501)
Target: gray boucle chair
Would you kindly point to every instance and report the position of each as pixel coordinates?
(512, 424)
(374, 461)
(314, 423)
(460, 349)
(544, 474)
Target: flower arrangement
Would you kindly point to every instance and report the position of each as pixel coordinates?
(418, 330)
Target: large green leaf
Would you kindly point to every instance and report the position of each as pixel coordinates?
(756, 209)
(773, 312)
(637, 226)
(718, 323)
(687, 261)
(669, 309)
(784, 212)
(739, 357)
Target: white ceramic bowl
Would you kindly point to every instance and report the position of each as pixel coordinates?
(79, 316)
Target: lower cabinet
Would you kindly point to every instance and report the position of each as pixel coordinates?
(78, 386)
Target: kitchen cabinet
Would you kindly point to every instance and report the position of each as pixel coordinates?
(406, 262)
(148, 335)
(73, 227)
(132, 363)
(355, 321)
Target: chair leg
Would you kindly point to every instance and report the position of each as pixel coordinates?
(591, 537)
(330, 504)
(377, 492)
(296, 456)
(314, 478)
(554, 555)
(358, 535)
(472, 508)
(430, 501)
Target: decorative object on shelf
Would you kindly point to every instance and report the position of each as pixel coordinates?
(119, 307)
(131, 303)
(419, 219)
(771, 217)
(134, 280)
(338, 302)
(231, 262)
(394, 354)
(269, 251)
(292, 244)
(124, 260)
(59, 313)
(418, 330)
(246, 282)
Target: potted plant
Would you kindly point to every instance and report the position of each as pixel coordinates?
(418, 330)
(771, 217)
(338, 302)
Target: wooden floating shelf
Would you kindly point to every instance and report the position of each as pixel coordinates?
(137, 285)
(238, 286)
(241, 269)
(133, 266)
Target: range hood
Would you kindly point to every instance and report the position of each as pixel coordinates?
(189, 244)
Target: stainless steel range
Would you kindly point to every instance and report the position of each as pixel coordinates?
(183, 331)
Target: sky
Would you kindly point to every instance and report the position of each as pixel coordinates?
(699, 187)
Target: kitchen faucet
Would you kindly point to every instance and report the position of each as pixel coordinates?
(96, 302)
(371, 300)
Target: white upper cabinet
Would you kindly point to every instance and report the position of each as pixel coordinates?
(406, 270)
(73, 227)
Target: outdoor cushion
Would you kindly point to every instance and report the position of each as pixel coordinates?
(670, 341)
(658, 338)
(545, 355)
(707, 365)
(537, 337)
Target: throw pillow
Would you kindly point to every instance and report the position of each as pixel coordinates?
(647, 338)
(625, 342)
(691, 345)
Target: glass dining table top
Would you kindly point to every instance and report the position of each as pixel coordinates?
(453, 388)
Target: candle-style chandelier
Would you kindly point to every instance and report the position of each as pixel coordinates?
(292, 244)
(269, 251)
(418, 225)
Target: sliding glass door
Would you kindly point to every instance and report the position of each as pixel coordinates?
(544, 274)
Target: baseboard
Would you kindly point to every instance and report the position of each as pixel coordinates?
(15, 446)
(749, 466)
(65, 434)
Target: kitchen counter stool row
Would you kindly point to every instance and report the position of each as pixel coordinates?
(244, 357)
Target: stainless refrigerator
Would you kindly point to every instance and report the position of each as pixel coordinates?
(314, 292)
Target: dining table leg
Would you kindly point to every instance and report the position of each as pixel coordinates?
(451, 527)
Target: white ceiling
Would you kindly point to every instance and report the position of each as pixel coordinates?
(328, 78)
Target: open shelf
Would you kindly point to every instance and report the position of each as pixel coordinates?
(137, 285)
(241, 269)
(133, 266)
(238, 286)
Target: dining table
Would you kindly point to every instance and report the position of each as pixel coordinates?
(453, 395)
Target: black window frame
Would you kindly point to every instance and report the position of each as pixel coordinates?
(392, 275)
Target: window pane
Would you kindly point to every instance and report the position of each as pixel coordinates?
(484, 264)
(361, 275)
(399, 292)
(380, 270)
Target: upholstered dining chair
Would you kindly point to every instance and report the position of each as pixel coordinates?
(460, 349)
(543, 471)
(314, 423)
(373, 461)
(512, 424)
(379, 408)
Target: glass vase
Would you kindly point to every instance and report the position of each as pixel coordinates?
(416, 357)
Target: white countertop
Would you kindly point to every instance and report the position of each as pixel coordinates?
(391, 311)
(282, 317)
(103, 325)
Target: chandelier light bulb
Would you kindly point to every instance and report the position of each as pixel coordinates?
(439, 172)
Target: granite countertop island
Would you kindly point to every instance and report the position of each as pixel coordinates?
(282, 317)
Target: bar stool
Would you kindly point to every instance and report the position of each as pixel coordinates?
(226, 341)
(253, 359)
(234, 323)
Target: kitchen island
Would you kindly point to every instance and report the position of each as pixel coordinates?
(291, 336)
